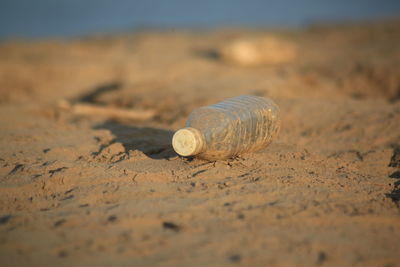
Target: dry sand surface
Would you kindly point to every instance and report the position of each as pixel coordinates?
(79, 190)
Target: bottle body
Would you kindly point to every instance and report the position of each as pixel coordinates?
(229, 128)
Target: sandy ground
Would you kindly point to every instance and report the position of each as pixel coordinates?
(89, 190)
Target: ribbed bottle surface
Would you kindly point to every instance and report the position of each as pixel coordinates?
(235, 126)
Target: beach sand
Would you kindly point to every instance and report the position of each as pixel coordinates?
(93, 190)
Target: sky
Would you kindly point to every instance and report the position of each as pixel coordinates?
(49, 18)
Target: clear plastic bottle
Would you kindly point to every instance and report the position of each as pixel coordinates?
(229, 128)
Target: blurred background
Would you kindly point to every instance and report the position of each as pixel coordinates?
(48, 18)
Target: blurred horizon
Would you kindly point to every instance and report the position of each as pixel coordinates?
(68, 18)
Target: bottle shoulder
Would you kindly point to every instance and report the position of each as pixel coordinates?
(207, 116)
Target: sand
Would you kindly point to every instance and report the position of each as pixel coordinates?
(98, 190)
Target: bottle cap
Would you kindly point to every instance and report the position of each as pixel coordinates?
(188, 141)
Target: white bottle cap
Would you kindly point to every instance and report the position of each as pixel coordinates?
(188, 142)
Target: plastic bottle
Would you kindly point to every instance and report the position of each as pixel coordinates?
(229, 128)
